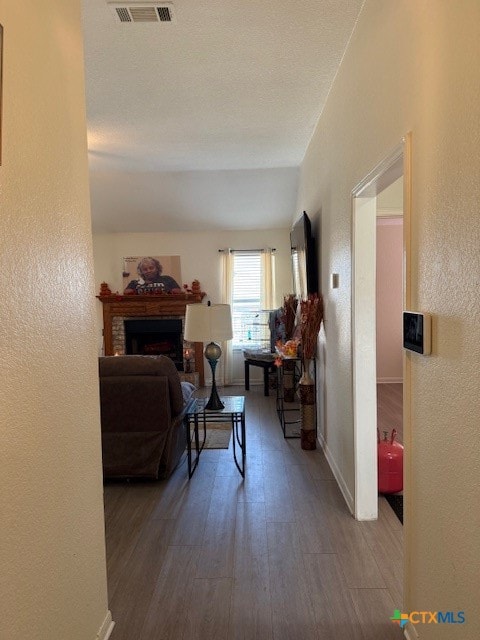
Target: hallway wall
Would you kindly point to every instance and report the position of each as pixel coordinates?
(52, 542)
(413, 66)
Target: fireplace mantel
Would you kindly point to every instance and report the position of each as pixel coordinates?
(138, 306)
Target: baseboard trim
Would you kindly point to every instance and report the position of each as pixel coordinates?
(389, 380)
(106, 629)
(337, 474)
(410, 632)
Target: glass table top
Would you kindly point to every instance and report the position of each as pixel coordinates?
(233, 404)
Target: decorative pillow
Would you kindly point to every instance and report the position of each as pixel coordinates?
(188, 390)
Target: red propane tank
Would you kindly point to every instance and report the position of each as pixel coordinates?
(390, 464)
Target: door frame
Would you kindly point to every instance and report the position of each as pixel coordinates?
(364, 382)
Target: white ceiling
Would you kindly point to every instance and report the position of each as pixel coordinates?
(202, 123)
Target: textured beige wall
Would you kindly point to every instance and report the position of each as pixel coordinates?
(52, 556)
(198, 256)
(413, 66)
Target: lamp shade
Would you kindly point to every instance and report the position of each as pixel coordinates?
(208, 323)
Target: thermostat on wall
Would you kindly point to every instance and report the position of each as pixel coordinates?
(417, 332)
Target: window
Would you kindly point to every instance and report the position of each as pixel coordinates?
(249, 322)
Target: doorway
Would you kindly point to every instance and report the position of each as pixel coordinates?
(389, 307)
(364, 207)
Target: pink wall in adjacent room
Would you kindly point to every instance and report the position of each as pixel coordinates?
(389, 299)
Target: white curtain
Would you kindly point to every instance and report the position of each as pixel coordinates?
(226, 373)
(268, 281)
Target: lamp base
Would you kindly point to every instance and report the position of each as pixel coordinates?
(214, 401)
(213, 353)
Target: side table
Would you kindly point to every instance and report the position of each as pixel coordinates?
(267, 366)
(233, 412)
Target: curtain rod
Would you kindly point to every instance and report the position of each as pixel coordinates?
(246, 250)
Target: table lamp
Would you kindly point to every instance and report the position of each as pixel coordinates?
(210, 323)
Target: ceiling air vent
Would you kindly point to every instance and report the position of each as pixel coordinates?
(142, 11)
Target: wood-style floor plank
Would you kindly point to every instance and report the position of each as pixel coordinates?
(166, 618)
(251, 614)
(333, 606)
(357, 560)
(124, 524)
(390, 408)
(130, 605)
(192, 516)
(387, 549)
(374, 607)
(208, 609)
(311, 512)
(386, 513)
(276, 556)
(291, 603)
(217, 549)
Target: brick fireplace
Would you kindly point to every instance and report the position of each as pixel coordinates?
(155, 337)
(119, 311)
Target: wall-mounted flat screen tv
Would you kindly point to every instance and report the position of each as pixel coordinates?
(304, 261)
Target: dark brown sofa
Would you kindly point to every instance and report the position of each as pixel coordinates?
(142, 407)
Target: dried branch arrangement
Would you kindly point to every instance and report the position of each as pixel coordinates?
(290, 304)
(310, 320)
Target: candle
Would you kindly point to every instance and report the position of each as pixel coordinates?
(188, 356)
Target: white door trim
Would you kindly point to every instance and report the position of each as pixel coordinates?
(392, 167)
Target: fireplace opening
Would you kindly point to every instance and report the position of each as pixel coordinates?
(152, 337)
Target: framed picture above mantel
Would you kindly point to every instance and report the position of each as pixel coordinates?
(151, 274)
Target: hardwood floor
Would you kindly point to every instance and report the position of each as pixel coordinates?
(274, 557)
(390, 408)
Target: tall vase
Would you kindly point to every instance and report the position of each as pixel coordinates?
(288, 380)
(307, 407)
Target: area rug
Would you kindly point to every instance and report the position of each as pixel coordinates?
(396, 502)
(218, 435)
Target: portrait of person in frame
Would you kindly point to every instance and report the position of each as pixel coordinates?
(151, 274)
